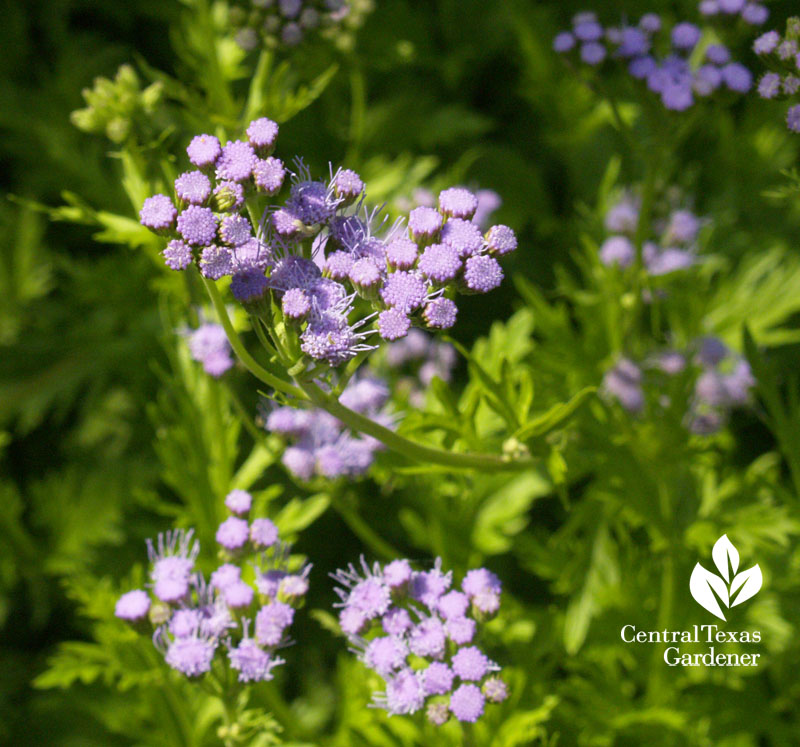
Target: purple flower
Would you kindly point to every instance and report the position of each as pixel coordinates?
(731, 6)
(458, 202)
(708, 7)
(248, 285)
(461, 630)
(685, 35)
(238, 502)
(793, 118)
(471, 664)
(428, 638)
(191, 656)
(226, 575)
(424, 224)
(385, 655)
(769, 86)
(271, 622)
(348, 185)
(238, 595)
(268, 174)
(295, 303)
(683, 227)
(453, 605)
(397, 573)
(766, 43)
(482, 274)
(755, 14)
(177, 255)
(193, 187)
(404, 291)
(587, 30)
(232, 533)
(262, 134)
(252, 662)
(185, 623)
(593, 53)
(204, 150)
(624, 382)
(437, 679)
(132, 606)
(495, 690)
(157, 213)
(364, 274)
(737, 77)
(197, 225)
(393, 324)
(718, 54)
(480, 580)
(312, 202)
(404, 693)
(563, 42)
(465, 237)
(617, 250)
(396, 622)
(466, 703)
(235, 230)
(439, 262)
(209, 346)
(501, 240)
(216, 262)
(236, 161)
(440, 313)
(263, 533)
(650, 22)
(172, 564)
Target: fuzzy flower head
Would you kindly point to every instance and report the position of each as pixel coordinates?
(422, 664)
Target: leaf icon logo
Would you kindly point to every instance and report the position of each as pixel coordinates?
(730, 588)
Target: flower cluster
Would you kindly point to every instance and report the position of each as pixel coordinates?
(209, 346)
(321, 445)
(417, 633)
(418, 358)
(782, 55)
(717, 380)
(670, 246)
(670, 75)
(283, 22)
(751, 13)
(488, 202)
(194, 619)
(320, 253)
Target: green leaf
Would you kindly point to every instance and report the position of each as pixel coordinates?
(297, 514)
(556, 416)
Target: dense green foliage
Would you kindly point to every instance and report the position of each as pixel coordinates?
(110, 433)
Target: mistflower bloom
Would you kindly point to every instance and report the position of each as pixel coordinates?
(563, 41)
(466, 703)
(737, 77)
(501, 240)
(216, 262)
(482, 274)
(157, 213)
(263, 533)
(252, 662)
(440, 313)
(238, 502)
(226, 575)
(177, 255)
(404, 291)
(262, 134)
(793, 118)
(249, 285)
(209, 345)
(133, 606)
(409, 649)
(393, 324)
(767, 43)
(458, 202)
(348, 184)
(172, 560)
(193, 187)
(228, 195)
(440, 263)
(593, 53)
(271, 622)
(465, 237)
(233, 533)
(624, 382)
(191, 656)
(236, 161)
(296, 303)
(339, 263)
(268, 174)
(235, 230)
(617, 250)
(755, 14)
(685, 36)
(424, 224)
(204, 150)
(197, 225)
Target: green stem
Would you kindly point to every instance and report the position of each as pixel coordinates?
(249, 362)
(411, 449)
